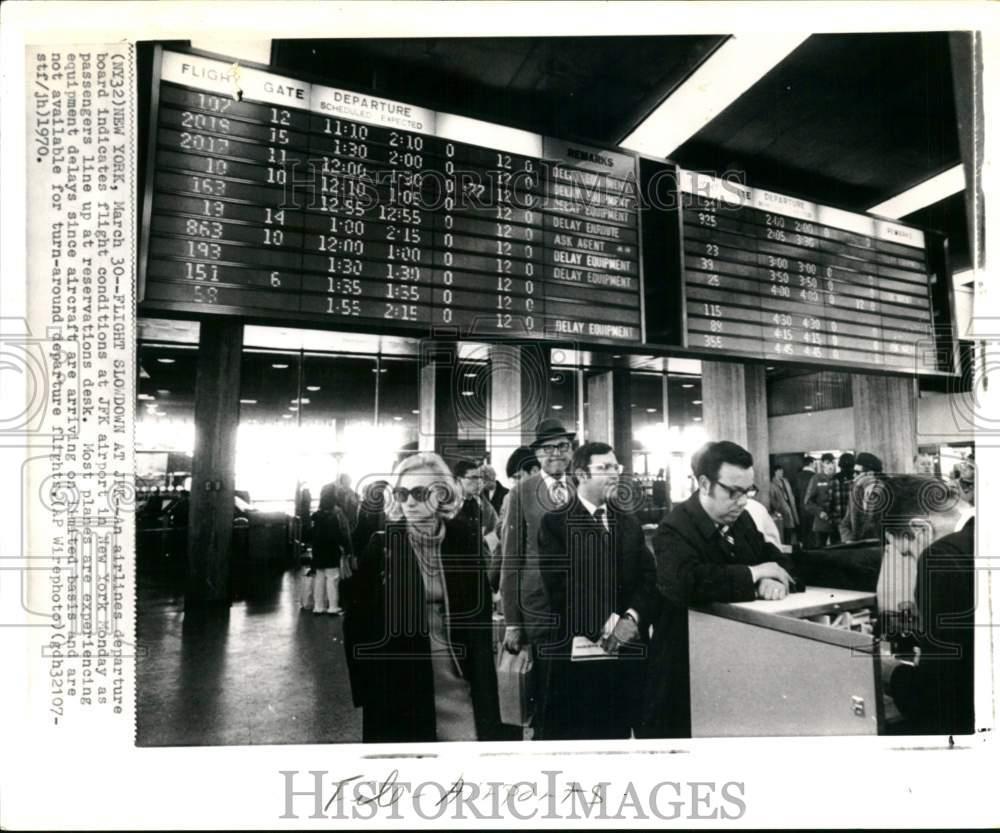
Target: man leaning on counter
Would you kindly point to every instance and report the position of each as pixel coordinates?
(708, 549)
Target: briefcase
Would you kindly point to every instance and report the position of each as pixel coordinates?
(513, 677)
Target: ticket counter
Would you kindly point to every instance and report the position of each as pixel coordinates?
(807, 664)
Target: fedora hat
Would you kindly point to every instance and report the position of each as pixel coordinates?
(551, 429)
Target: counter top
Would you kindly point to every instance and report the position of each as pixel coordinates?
(789, 614)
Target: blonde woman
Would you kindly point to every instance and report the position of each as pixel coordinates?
(422, 626)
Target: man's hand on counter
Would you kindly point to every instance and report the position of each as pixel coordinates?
(772, 570)
(769, 588)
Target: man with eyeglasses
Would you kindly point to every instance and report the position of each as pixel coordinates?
(527, 616)
(708, 549)
(601, 583)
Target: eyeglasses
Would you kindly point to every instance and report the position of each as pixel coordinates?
(735, 492)
(419, 493)
(472, 477)
(608, 468)
(554, 448)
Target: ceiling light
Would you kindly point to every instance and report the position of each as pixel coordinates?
(279, 366)
(415, 411)
(809, 407)
(286, 416)
(146, 396)
(303, 401)
(616, 356)
(470, 375)
(650, 410)
(397, 419)
(293, 407)
(722, 78)
(553, 378)
(920, 196)
(468, 393)
(696, 402)
(557, 407)
(248, 401)
(312, 388)
(688, 385)
(697, 419)
(165, 361)
(769, 367)
(163, 392)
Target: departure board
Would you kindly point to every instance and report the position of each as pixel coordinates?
(777, 278)
(276, 199)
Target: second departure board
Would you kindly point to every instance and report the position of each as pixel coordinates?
(273, 198)
(773, 277)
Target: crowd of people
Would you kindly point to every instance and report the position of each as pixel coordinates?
(427, 563)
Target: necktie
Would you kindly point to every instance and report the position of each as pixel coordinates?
(558, 493)
(727, 541)
(600, 515)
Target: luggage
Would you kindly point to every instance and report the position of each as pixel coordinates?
(307, 593)
(513, 685)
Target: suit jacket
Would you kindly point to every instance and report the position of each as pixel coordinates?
(693, 568)
(387, 634)
(525, 603)
(589, 573)
(936, 696)
(498, 495)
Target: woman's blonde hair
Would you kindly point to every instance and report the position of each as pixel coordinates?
(448, 493)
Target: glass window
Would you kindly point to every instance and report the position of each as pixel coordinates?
(685, 432)
(164, 431)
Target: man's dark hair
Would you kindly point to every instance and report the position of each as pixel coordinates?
(581, 457)
(909, 496)
(808, 459)
(715, 454)
(463, 467)
(846, 463)
(827, 458)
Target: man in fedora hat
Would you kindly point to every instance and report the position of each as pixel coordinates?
(526, 611)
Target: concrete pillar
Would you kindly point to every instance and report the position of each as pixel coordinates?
(438, 410)
(885, 421)
(216, 417)
(621, 415)
(599, 426)
(734, 405)
(519, 382)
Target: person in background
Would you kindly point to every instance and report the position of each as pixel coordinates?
(600, 578)
(818, 501)
(935, 526)
(347, 499)
(863, 519)
(924, 463)
(376, 498)
(424, 663)
(478, 509)
(707, 550)
(840, 490)
(799, 486)
(964, 478)
(493, 491)
(782, 500)
(331, 543)
(525, 603)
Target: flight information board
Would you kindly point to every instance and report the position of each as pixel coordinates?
(276, 199)
(778, 278)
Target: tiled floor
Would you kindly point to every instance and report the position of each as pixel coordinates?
(261, 672)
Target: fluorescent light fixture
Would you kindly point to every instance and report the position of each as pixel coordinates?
(279, 366)
(248, 401)
(146, 396)
(920, 196)
(650, 410)
(721, 79)
(312, 388)
(696, 402)
(687, 385)
(165, 361)
(557, 407)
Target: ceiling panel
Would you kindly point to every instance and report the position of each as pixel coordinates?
(845, 119)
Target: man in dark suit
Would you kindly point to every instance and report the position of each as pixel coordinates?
(933, 600)
(493, 491)
(708, 549)
(525, 607)
(601, 584)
